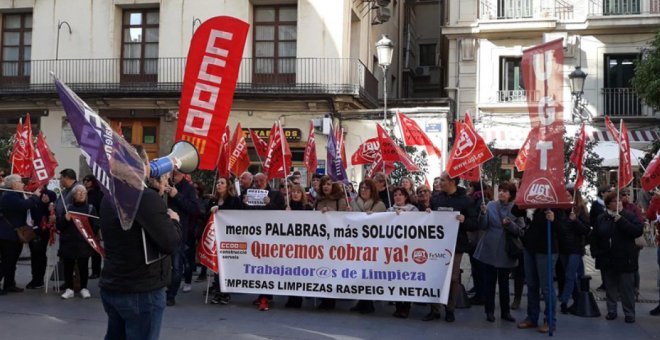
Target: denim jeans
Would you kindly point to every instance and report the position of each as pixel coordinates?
(133, 315)
(536, 276)
(573, 270)
(178, 267)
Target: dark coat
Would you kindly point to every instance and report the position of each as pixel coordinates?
(185, 203)
(299, 206)
(40, 212)
(597, 209)
(124, 266)
(613, 242)
(459, 201)
(535, 239)
(573, 234)
(72, 244)
(276, 201)
(14, 207)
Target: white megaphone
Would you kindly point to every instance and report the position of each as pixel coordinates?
(183, 157)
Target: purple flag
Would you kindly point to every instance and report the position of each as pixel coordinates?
(115, 163)
(335, 166)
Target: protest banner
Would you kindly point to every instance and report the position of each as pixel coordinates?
(346, 255)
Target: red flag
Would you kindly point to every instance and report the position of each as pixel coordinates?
(367, 153)
(413, 135)
(391, 152)
(543, 183)
(341, 146)
(577, 157)
(119, 131)
(29, 143)
(521, 159)
(625, 163)
(260, 146)
(207, 248)
(472, 175)
(20, 154)
(223, 156)
(43, 163)
(310, 160)
(214, 59)
(278, 161)
(82, 223)
(239, 160)
(378, 167)
(469, 151)
(612, 129)
(651, 177)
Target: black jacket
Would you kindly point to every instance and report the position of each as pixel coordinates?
(299, 206)
(535, 239)
(573, 234)
(124, 267)
(459, 201)
(613, 243)
(185, 203)
(276, 201)
(72, 244)
(14, 207)
(597, 209)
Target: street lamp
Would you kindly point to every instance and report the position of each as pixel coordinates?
(384, 49)
(577, 78)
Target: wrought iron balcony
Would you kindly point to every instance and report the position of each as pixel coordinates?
(515, 96)
(623, 102)
(598, 8)
(525, 9)
(164, 76)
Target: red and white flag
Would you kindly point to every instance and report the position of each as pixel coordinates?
(278, 162)
(29, 142)
(214, 59)
(223, 156)
(20, 155)
(474, 174)
(577, 156)
(341, 146)
(367, 153)
(651, 177)
(239, 160)
(43, 164)
(625, 163)
(391, 152)
(414, 135)
(612, 129)
(521, 158)
(82, 223)
(207, 248)
(469, 151)
(543, 184)
(310, 160)
(260, 146)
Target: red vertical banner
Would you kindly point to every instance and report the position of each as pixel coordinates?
(521, 159)
(214, 59)
(625, 163)
(239, 160)
(543, 184)
(577, 156)
(223, 156)
(43, 163)
(207, 248)
(310, 160)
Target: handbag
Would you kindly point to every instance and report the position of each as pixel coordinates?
(25, 234)
(513, 245)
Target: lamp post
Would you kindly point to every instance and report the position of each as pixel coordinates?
(384, 50)
(576, 82)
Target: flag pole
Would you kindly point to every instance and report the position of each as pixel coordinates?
(286, 172)
(21, 191)
(387, 188)
(618, 174)
(481, 183)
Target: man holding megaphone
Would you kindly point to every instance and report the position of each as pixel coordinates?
(132, 286)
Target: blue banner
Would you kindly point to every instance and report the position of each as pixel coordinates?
(115, 163)
(335, 166)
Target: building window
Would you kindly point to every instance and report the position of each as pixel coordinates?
(514, 9)
(427, 55)
(16, 47)
(512, 88)
(620, 98)
(620, 7)
(275, 35)
(139, 45)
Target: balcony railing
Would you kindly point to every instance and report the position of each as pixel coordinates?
(308, 76)
(525, 9)
(623, 102)
(599, 8)
(515, 96)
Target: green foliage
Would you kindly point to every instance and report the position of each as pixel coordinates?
(591, 163)
(6, 144)
(646, 81)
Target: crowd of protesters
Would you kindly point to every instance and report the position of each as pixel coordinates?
(501, 240)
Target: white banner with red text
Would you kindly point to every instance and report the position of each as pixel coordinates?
(344, 255)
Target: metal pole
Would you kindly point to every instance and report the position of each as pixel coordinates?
(551, 294)
(385, 96)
